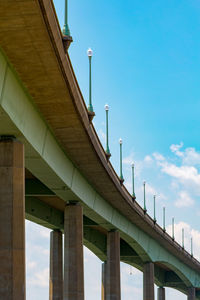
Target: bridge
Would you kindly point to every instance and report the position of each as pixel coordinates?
(55, 172)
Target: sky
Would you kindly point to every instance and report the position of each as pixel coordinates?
(146, 66)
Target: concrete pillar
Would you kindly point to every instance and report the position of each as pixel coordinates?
(12, 220)
(148, 281)
(73, 253)
(113, 285)
(103, 284)
(191, 293)
(161, 293)
(56, 266)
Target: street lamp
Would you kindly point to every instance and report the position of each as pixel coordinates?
(173, 237)
(133, 181)
(191, 247)
(164, 229)
(90, 107)
(107, 138)
(154, 208)
(183, 238)
(121, 175)
(67, 39)
(145, 209)
(66, 30)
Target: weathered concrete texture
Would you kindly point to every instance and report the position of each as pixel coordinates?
(56, 267)
(148, 281)
(113, 285)
(103, 283)
(73, 253)
(161, 293)
(12, 221)
(191, 293)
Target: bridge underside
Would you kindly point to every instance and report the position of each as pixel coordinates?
(46, 209)
(27, 112)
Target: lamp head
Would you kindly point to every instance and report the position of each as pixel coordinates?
(120, 141)
(89, 52)
(106, 107)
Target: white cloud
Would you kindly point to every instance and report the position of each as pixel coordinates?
(40, 279)
(184, 200)
(186, 175)
(44, 232)
(158, 156)
(31, 265)
(148, 159)
(183, 172)
(175, 185)
(176, 149)
(189, 156)
(38, 249)
(128, 160)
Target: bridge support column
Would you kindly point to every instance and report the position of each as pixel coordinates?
(191, 293)
(103, 284)
(148, 281)
(12, 220)
(56, 266)
(161, 293)
(73, 253)
(113, 285)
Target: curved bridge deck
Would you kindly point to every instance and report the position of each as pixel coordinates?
(42, 105)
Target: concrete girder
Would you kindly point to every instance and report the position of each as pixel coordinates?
(33, 187)
(177, 275)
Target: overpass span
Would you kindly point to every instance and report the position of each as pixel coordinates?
(67, 172)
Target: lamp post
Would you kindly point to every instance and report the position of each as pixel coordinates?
(66, 30)
(154, 208)
(107, 137)
(90, 107)
(121, 175)
(145, 209)
(183, 238)
(191, 247)
(173, 229)
(67, 39)
(133, 180)
(164, 229)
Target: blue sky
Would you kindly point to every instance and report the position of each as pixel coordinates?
(146, 67)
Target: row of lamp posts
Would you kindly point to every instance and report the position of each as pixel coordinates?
(121, 178)
(68, 39)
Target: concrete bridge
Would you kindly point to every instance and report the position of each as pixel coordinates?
(55, 172)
